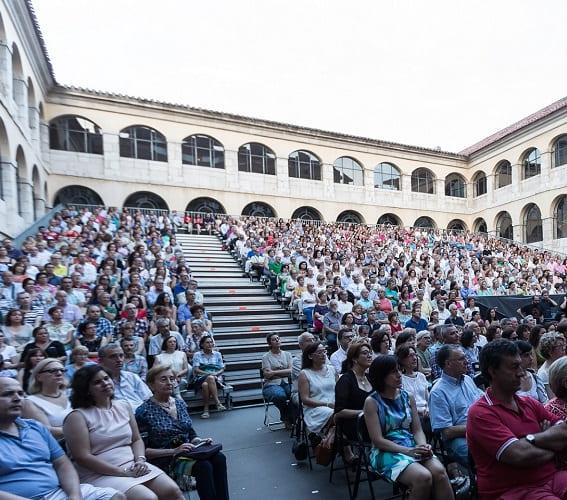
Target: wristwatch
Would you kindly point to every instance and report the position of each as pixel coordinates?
(530, 438)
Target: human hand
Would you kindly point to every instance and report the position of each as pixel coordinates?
(545, 424)
(184, 448)
(137, 470)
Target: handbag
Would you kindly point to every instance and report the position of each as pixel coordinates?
(202, 451)
(325, 450)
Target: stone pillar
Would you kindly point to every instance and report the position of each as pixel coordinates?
(26, 201)
(44, 141)
(20, 90)
(328, 181)
(516, 177)
(5, 72)
(369, 191)
(545, 168)
(282, 174)
(111, 156)
(33, 119)
(547, 230)
(440, 191)
(173, 161)
(490, 183)
(231, 169)
(518, 230)
(10, 192)
(38, 207)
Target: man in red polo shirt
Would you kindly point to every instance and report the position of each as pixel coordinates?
(513, 440)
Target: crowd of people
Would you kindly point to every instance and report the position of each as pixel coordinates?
(103, 327)
(395, 333)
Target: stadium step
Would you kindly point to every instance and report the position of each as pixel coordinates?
(242, 311)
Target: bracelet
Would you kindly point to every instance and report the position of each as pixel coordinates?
(141, 458)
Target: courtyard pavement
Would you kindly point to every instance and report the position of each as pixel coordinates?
(261, 465)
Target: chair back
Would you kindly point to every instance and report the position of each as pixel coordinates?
(361, 429)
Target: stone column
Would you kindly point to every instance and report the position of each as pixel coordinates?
(44, 141)
(231, 169)
(518, 231)
(545, 168)
(9, 183)
(282, 173)
(39, 207)
(369, 191)
(516, 177)
(26, 201)
(440, 191)
(173, 161)
(20, 90)
(33, 119)
(5, 72)
(111, 156)
(328, 181)
(547, 230)
(490, 183)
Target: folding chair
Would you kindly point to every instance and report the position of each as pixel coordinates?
(340, 442)
(364, 446)
(271, 421)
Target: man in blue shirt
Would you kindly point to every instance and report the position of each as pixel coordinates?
(450, 400)
(416, 321)
(32, 464)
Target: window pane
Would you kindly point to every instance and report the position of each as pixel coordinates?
(126, 147)
(187, 155)
(143, 150)
(316, 171)
(257, 164)
(243, 163)
(219, 159)
(304, 170)
(271, 166)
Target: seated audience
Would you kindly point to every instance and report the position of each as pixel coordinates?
(316, 384)
(47, 401)
(32, 358)
(104, 442)
(59, 329)
(450, 400)
(415, 384)
(33, 464)
(127, 386)
(208, 367)
(344, 338)
(531, 385)
(381, 342)
(171, 356)
(170, 433)
(133, 362)
(78, 358)
(17, 332)
(303, 340)
(551, 347)
(513, 440)
(399, 449)
(276, 366)
(51, 348)
(353, 387)
(88, 338)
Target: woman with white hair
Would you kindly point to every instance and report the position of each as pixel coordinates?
(551, 347)
(558, 405)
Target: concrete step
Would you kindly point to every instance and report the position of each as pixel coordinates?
(232, 300)
(247, 346)
(292, 328)
(224, 266)
(205, 284)
(233, 336)
(250, 291)
(245, 310)
(253, 320)
(217, 274)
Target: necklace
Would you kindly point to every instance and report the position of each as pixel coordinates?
(53, 397)
(166, 406)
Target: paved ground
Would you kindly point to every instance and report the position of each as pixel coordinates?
(261, 465)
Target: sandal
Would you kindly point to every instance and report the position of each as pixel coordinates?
(205, 414)
(221, 407)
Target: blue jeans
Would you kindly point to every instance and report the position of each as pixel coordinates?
(308, 311)
(459, 449)
(279, 395)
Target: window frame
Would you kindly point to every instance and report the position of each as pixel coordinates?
(557, 153)
(394, 173)
(417, 180)
(531, 166)
(248, 161)
(339, 171)
(215, 150)
(295, 166)
(450, 181)
(135, 144)
(480, 179)
(91, 142)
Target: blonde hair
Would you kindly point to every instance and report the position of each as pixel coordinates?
(34, 385)
(154, 371)
(557, 375)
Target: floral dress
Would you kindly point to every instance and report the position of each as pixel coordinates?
(395, 420)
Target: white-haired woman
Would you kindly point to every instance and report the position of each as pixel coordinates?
(558, 405)
(551, 347)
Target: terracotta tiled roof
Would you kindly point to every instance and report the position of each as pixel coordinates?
(37, 29)
(524, 122)
(258, 121)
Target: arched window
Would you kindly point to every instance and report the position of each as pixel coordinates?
(533, 224)
(559, 156)
(560, 218)
(503, 174)
(304, 165)
(256, 158)
(350, 216)
(480, 226)
(389, 220)
(143, 143)
(77, 195)
(348, 171)
(504, 227)
(387, 176)
(422, 181)
(425, 223)
(147, 200)
(307, 213)
(205, 205)
(479, 184)
(203, 151)
(531, 164)
(456, 225)
(73, 133)
(455, 186)
(258, 209)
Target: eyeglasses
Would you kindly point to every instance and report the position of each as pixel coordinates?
(54, 371)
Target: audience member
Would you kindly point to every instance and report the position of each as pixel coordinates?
(551, 347)
(208, 367)
(344, 338)
(531, 385)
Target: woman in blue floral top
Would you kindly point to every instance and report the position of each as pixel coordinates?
(170, 434)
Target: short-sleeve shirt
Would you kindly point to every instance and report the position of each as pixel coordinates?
(26, 461)
(491, 428)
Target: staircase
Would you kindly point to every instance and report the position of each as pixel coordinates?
(243, 313)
